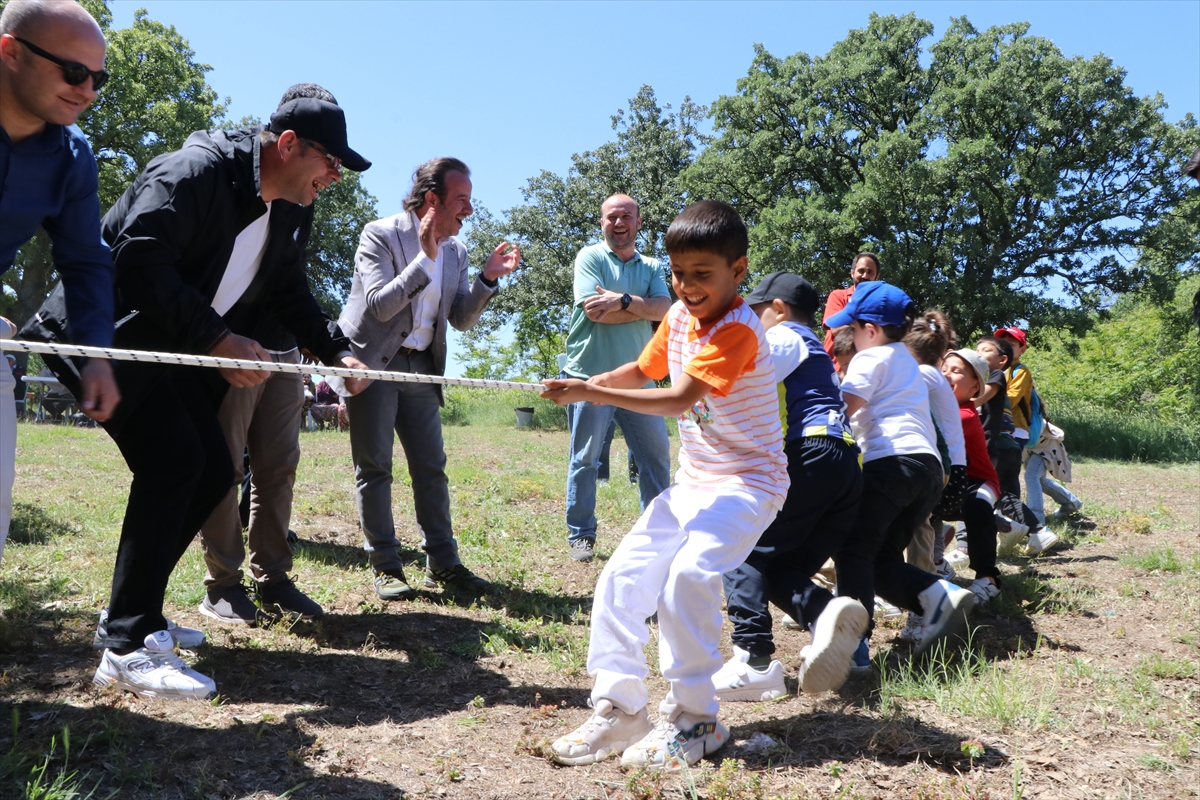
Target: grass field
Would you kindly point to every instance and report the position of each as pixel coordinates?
(1083, 681)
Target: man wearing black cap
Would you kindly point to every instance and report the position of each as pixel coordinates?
(205, 246)
(819, 511)
(263, 418)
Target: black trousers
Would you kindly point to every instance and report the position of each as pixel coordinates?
(899, 493)
(817, 516)
(181, 468)
(980, 521)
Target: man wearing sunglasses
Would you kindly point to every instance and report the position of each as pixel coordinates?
(206, 247)
(48, 179)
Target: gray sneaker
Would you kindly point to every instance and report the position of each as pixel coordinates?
(232, 605)
(290, 599)
(583, 549)
(390, 584)
(457, 579)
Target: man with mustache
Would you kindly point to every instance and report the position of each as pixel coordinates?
(410, 281)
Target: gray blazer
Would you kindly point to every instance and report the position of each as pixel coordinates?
(378, 315)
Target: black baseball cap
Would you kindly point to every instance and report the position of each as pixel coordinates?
(1192, 167)
(788, 287)
(322, 122)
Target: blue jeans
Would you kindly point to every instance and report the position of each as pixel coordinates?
(646, 437)
(1037, 485)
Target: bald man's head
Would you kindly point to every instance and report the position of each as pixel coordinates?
(33, 89)
(619, 223)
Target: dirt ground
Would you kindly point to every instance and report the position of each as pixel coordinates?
(1090, 690)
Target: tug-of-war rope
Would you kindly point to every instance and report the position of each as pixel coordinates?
(188, 360)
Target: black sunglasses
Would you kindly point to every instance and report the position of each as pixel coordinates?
(333, 160)
(73, 72)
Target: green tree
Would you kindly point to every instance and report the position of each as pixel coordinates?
(339, 216)
(561, 215)
(997, 171)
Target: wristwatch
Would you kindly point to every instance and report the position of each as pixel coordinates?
(625, 301)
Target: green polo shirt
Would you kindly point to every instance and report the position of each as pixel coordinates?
(596, 347)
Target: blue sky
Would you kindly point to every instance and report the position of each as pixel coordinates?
(515, 88)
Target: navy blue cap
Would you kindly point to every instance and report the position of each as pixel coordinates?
(873, 301)
(788, 287)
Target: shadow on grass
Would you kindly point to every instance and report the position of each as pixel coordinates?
(33, 525)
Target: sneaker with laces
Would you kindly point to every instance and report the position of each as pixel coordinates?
(673, 744)
(457, 579)
(738, 682)
(1040, 541)
(390, 584)
(943, 570)
(825, 664)
(608, 731)
(154, 671)
(185, 638)
(285, 595)
(984, 590)
(583, 549)
(1007, 542)
(860, 662)
(232, 605)
(946, 607)
(912, 629)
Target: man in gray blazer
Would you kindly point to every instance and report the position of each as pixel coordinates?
(410, 279)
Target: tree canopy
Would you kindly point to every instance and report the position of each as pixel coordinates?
(983, 171)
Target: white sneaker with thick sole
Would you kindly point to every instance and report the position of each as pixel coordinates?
(984, 590)
(825, 664)
(946, 607)
(885, 610)
(154, 671)
(1007, 542)
(608, 731)
(1040, 541)
(186, 638)
(738, 682)
(673, 744)
(912, 629)
(958, 557)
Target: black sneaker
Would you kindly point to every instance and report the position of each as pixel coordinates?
(291, 600)
(390, 584)
(583, 549)
(232, 605)
(457, 578)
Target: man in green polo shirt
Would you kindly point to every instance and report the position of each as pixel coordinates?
(618, 294)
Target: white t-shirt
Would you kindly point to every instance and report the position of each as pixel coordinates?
(896, 419)
(244, 262)
(425, 305)
(944, 409)
(788, 349)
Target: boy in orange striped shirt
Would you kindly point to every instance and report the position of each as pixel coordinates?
(731, 482)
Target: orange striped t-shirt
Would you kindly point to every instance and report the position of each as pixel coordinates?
(732, 435)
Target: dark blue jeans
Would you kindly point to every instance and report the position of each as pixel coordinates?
(817, 516)
(899, 492)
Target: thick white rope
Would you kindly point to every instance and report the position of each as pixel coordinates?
(188, 360)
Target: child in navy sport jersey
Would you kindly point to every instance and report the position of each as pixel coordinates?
(821, 506)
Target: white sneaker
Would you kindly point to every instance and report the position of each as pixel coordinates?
(787, 622)
(1040, 541)
(738, 682)
(912, 629)
(1007, 542)
(885, 610)
(186, 638)
(673, 744)
(958, 557)
(154, 671)
(608, 731)
(946, 607)
(825, 664)
(1067, 509)
(984, 590)
(944, 571)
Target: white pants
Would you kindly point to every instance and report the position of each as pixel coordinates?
(672, 562)
(8, 447)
